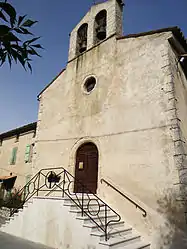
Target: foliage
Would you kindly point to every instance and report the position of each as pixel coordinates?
(12, 199)
(13, 29)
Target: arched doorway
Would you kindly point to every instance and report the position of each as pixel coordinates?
(86, 168)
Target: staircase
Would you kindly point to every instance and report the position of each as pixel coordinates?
(77, 221)
(120, 234)
(4, 215)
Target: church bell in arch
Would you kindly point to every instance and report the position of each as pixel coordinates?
(82, 46)
(82, 38)
(101, 25)
(102, 21)
(101, 32)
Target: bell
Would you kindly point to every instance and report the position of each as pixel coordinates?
(82, 47)
(101, 33)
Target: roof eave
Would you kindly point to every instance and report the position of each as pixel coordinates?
(175, 30)
(19, 130)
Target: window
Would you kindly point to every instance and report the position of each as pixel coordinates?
(89, 84)
(13, 156)
(28, 153)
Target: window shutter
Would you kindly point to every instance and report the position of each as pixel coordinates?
(27, 153)
(13, 156)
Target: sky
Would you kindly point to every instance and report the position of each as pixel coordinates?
(56, 19)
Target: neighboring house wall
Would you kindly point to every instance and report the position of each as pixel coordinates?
(22, 167)
(126, 116)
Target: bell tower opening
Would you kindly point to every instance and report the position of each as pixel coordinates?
(100, 26)
(82, 36)
(102, 21)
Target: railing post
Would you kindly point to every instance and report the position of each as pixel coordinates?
(64, 177)
(106, 228)
(82, 200)
(38, 182)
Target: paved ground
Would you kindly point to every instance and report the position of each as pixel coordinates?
(11, 242)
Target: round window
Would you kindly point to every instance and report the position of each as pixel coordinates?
(89, 84)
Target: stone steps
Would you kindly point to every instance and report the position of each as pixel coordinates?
(120, 235)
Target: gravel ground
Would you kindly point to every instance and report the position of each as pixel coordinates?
(10, 242)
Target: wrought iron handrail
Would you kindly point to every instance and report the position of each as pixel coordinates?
(59, 180)
(126, 197)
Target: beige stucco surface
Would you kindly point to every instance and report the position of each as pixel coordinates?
(20, 168)
(127, 117)
(54, 225)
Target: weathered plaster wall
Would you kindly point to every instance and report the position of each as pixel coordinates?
(126, 116)
(54, 226)
(20, 169)
(179, 88)
(176, 92)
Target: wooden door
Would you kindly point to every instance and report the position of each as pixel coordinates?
(86, 169)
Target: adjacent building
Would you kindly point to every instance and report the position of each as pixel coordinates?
(16, 154)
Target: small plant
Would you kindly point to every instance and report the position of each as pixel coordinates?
(13, 198)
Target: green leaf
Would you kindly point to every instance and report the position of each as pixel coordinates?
(25, 31)
(17, 47)
(7, 46)
(29, 66)
(9, 10)
(3, 60)
(18, 30)
(32, 40)
(20, 19)
(33, 52)
(11, 37)
(24, 53)
(21, 60)
(3, 57)
(14, 54)
(10, 60)
(28, 23)
(3, 17)
(4, 30)
(37, 46)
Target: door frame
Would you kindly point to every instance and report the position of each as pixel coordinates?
(73, 158)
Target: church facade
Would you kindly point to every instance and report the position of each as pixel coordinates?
(117, 114)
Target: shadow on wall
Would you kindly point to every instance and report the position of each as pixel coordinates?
(173, 232)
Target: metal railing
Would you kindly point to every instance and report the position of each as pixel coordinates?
(60, 181)
(125, 196)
